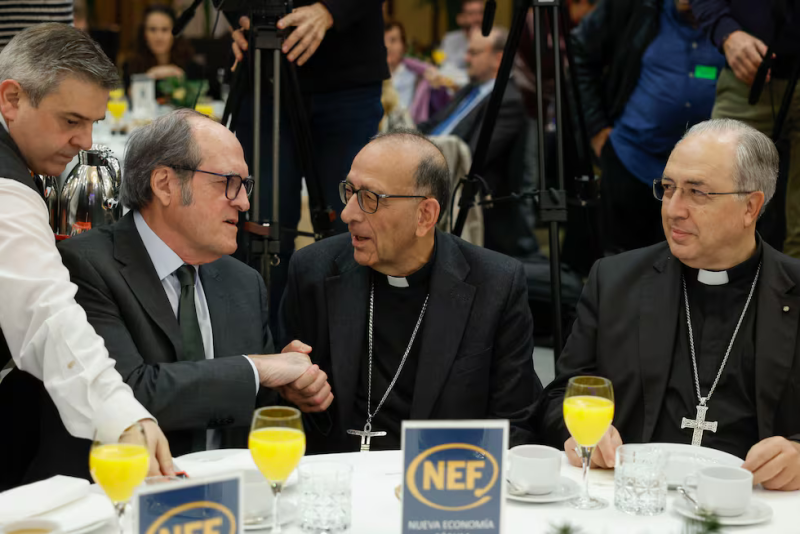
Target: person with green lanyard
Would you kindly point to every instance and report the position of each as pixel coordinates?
(762, 35)
(646, 73)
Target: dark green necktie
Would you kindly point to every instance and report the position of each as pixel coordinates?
(187, 316)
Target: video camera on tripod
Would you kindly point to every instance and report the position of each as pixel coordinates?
(264, 235)
(264, 16)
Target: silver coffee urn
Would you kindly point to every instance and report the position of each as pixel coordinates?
(90, 195)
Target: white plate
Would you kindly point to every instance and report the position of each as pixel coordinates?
(757, 512)
(288, 513)
(219, 462)
(566, 489)
(685, 460)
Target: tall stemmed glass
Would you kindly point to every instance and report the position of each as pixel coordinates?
(588, 411)
(277, 443)
(120, 465)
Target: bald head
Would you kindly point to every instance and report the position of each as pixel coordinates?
(431, 176)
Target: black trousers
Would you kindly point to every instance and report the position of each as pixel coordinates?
(631, 215)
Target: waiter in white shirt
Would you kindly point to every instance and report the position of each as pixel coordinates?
(54, 84)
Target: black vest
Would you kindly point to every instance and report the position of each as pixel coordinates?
(12, 167)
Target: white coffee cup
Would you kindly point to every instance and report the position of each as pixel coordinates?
(257, 497)
(723, 490)
(534, 469)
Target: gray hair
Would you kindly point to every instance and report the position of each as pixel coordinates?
(166, 142)
(432, 176)
(499, 38)
(757, 159)
(40, 57)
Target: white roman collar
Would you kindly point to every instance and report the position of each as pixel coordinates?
(712, 278)
(397, 281)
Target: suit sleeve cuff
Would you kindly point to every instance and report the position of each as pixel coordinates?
(255, 373)
(725, 27)
(118, 412)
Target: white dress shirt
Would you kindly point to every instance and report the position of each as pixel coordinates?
(47, 331)
(166, 263)
(405, 83)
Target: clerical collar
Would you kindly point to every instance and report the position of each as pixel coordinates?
(745, 271)
(418, 278)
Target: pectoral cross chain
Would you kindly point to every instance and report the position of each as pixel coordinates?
(699, 424)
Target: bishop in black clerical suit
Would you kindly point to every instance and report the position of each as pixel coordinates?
(406, 321)
(710, 318)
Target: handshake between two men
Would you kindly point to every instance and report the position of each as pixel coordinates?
(292, 374)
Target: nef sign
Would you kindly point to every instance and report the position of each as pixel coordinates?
(203, 506)
(208, 518)
(453, 476)
(474, 475)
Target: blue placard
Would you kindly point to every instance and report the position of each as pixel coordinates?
(453, 480)
(202, 506)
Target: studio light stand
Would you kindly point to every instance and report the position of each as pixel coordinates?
(551, 200)
(263, 236)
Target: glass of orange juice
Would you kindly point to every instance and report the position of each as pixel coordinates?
(120, 465)
(277, 443)
(117, 106)
(588, 411)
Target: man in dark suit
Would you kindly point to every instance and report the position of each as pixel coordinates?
(409, 322)
(186, 323)
(505, 228)
(703, 326)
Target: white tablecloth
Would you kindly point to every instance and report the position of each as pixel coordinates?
(376, 510)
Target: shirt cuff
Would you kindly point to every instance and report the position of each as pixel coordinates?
(255, 373)
(725, 27)
(117, 413)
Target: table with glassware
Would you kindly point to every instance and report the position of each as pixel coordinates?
(376, 508)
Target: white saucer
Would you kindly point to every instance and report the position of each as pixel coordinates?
(288, 513)
(757, 512)
(565, 490)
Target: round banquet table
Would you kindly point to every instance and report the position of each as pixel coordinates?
(376, 509)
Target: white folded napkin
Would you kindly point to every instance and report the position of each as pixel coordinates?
(40, 497)
(92, 509)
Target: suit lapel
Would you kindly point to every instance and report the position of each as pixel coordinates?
(469, 126)
(346, 295)
(776, 332)
(658, 323)
(141, 277)
(218, 308)
(449, 308)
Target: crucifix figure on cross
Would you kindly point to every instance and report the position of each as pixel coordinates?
(699, 424)
(366, 435)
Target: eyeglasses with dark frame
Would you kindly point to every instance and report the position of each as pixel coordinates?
(693, 195)
(368, 200)
(234, 182)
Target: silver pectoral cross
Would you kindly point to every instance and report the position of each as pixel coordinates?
(366, 435)
(699, 424)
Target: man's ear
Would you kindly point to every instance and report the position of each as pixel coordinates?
(160, 184)
(755, 201)
(10, 96)
(427, 216)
